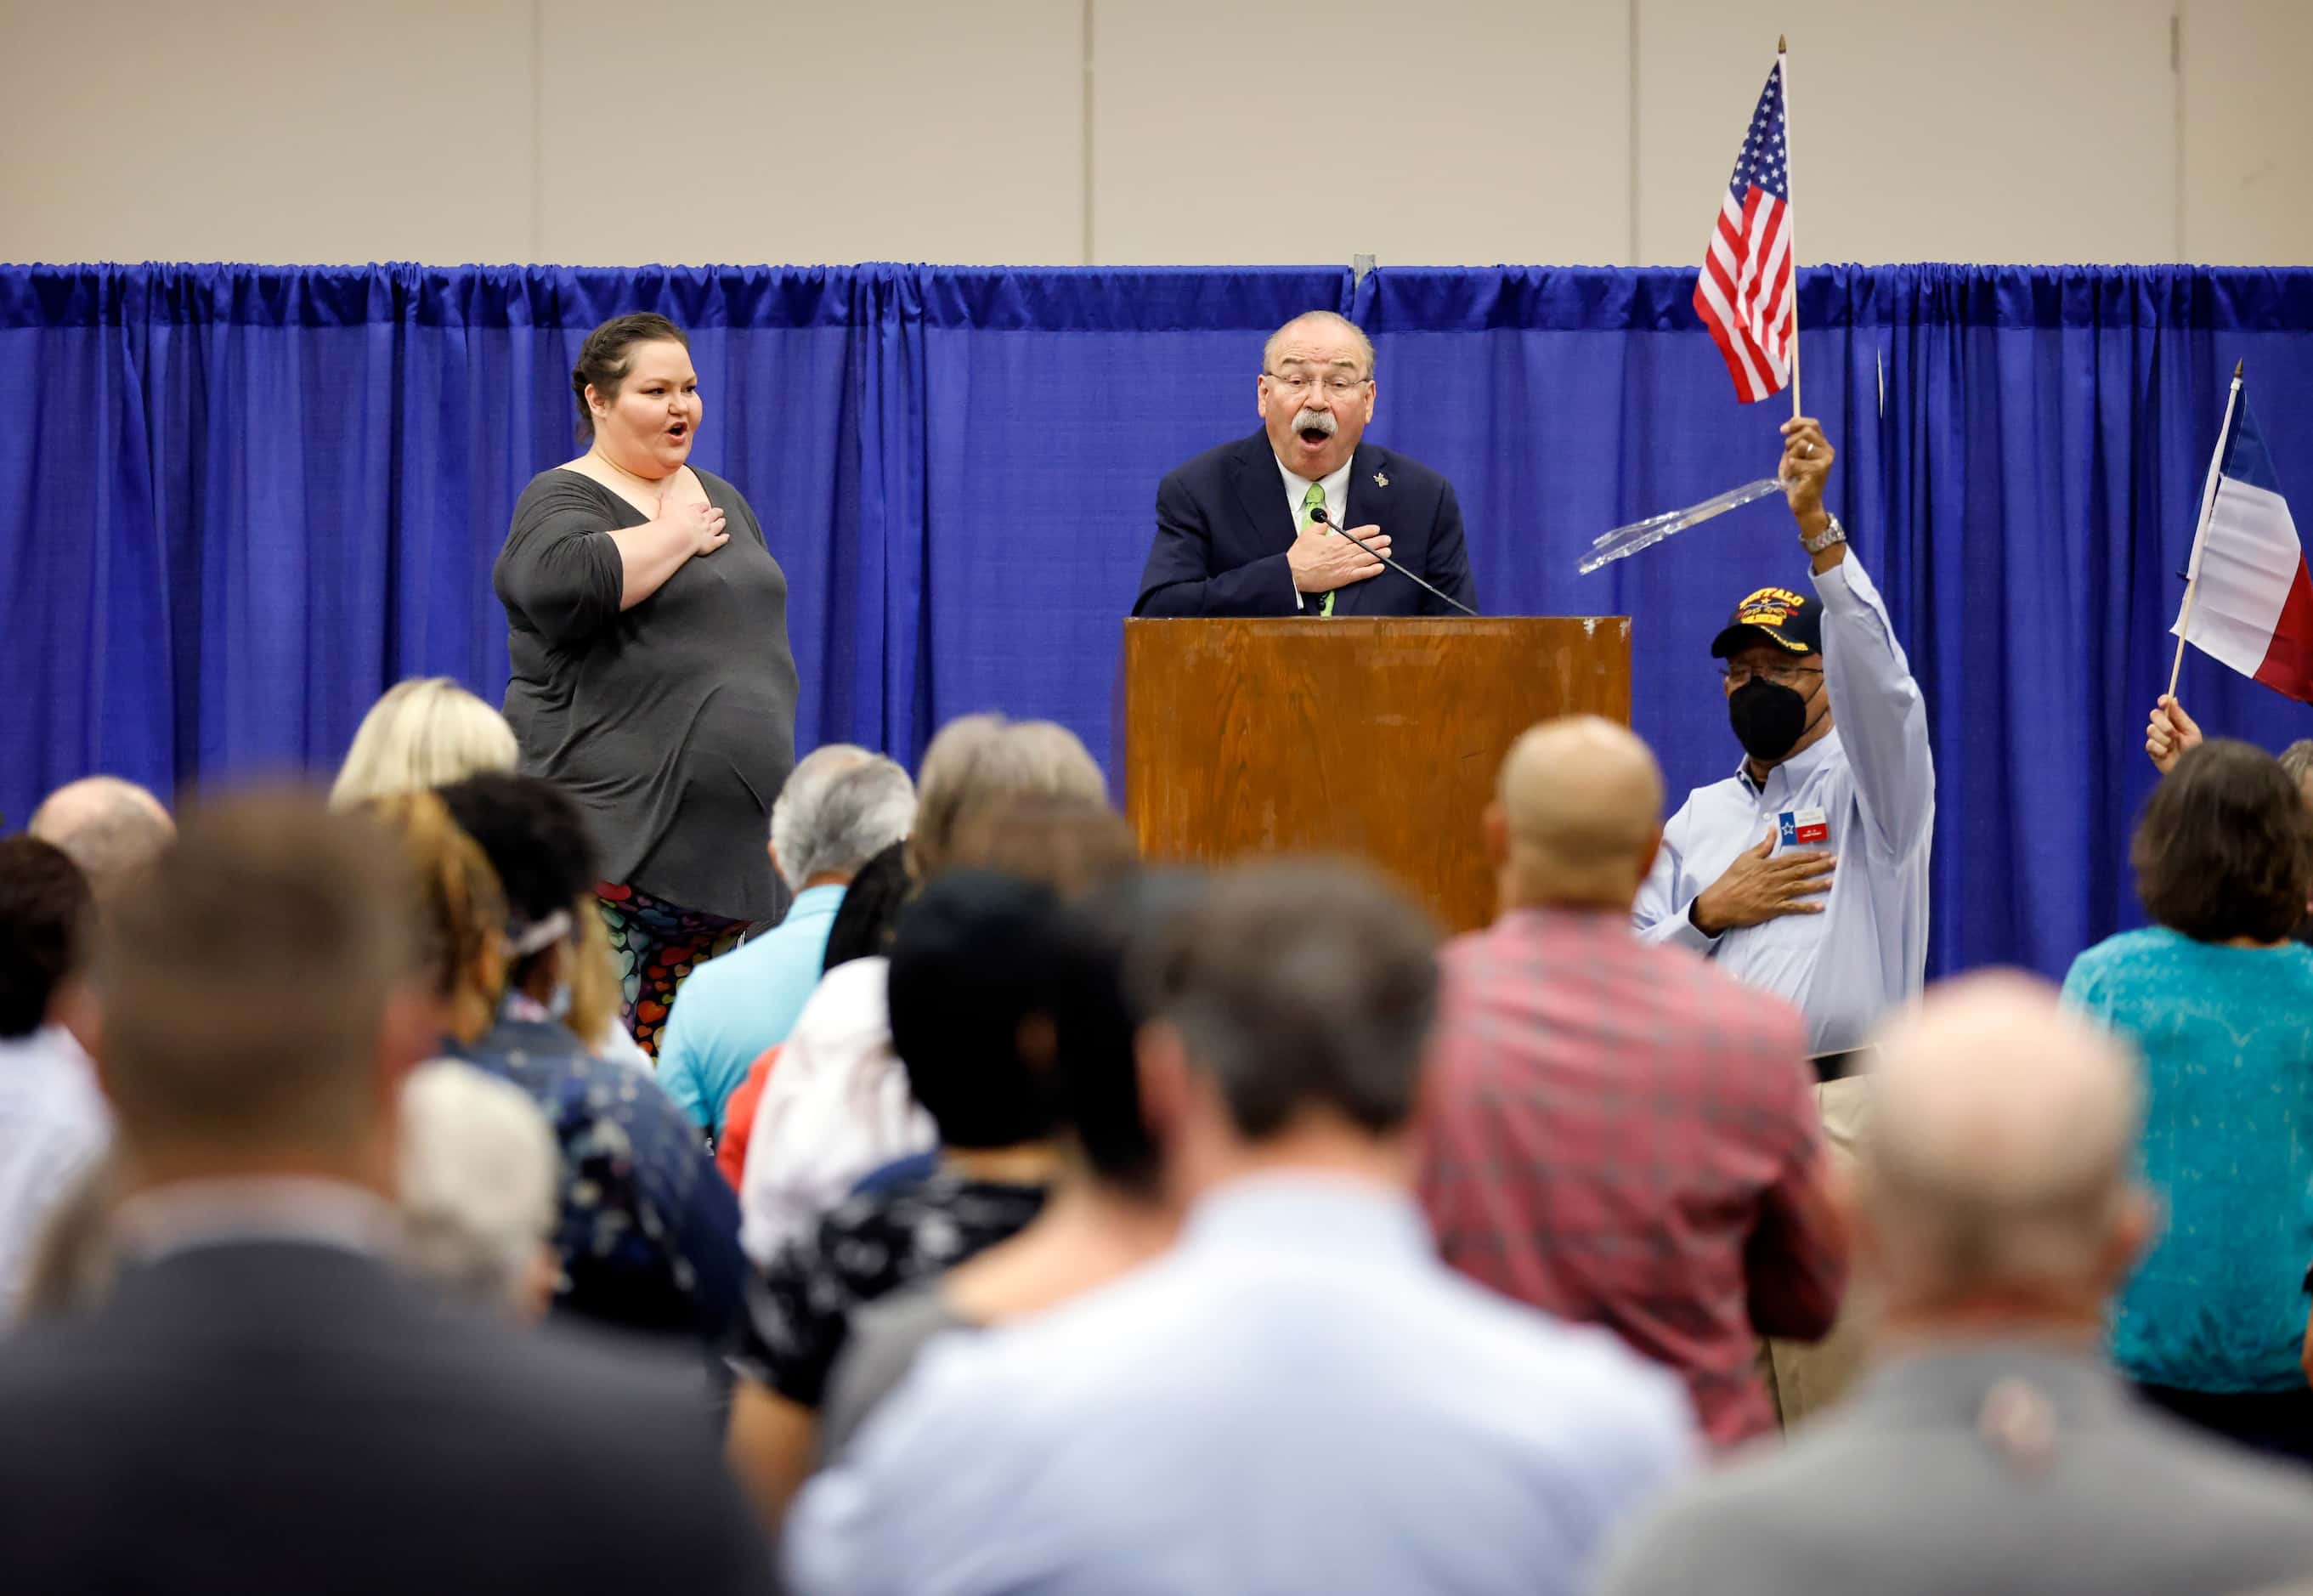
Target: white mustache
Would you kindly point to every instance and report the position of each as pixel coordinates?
(1310, 420)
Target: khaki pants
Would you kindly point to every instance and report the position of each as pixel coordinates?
(1805, 1377)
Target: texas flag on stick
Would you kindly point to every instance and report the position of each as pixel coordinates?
(2249, 600)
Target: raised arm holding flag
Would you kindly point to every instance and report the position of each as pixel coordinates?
(2248, 599)
(1805, 872)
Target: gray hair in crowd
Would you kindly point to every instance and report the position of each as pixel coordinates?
(479, 1169)
(841, 807)
(108, 827)
(1300, 987)
(981, 760)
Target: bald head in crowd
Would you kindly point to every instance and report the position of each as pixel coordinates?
(1998, 1171)
(110, 828)
(1577, 816)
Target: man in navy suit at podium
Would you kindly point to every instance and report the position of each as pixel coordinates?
(1236, 528)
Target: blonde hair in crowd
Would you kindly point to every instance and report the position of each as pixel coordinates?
(426, 732)
(463, 918)
(596, 994)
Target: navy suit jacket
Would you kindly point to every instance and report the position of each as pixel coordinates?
(1223, 527)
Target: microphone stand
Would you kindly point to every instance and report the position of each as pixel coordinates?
(1318, 517)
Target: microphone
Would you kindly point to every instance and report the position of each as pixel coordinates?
(1318, 517)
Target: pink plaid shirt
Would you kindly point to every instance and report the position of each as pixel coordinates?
(1621, 1135)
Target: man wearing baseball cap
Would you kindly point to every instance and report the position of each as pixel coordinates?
(1805, 872)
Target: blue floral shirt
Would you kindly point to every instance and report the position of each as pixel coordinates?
(2226, 1034)
(648, 1230)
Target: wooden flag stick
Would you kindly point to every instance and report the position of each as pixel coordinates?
(2208, 507)
(2183, 626)
(1791, 215)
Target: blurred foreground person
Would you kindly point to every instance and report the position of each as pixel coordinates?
(1298, 1397)
(970, 968)
(1992, 1450)
(53, 1122)
(1108, 1213)
(476, 1193)
(268, 1404)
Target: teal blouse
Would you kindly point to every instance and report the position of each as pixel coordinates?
(2226, 1034)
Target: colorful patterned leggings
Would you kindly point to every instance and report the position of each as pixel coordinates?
(656, 944)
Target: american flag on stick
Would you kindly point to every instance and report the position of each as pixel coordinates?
(1745, 294)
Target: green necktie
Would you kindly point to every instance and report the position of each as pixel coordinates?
(1311, 500)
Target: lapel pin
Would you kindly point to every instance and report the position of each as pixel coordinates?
(1380, 480)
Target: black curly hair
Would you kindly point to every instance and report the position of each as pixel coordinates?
(535, 838)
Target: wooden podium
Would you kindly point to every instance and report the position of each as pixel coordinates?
(1377, 738)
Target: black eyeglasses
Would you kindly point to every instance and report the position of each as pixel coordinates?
(1781, 675)
(1297, 383)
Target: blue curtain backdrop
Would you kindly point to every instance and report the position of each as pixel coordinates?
(237, 502)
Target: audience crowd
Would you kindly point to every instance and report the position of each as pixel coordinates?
(1014, 1214)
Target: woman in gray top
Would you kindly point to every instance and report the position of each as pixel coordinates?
(647, 625)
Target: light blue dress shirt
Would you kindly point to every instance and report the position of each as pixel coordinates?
(730, 1008)
(1299, 1398)
(2227, 1039)
(1874, 781)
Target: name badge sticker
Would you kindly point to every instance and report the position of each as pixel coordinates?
(1806, 828)
(1787, 829)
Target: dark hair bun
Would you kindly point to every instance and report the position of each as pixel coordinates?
(608, 355)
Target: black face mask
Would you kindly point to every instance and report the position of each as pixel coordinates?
(1768, 718)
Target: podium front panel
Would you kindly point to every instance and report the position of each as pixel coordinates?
(1377, 738)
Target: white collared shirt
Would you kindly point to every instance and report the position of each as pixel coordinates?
(1415, 1432)
(313, 1210)
(54, 1125)
(1871, 784)
(1337, 495)
(837, 1108)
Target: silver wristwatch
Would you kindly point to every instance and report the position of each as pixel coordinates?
(1833, 533)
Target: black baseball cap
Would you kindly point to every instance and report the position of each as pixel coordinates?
(1774, 615)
